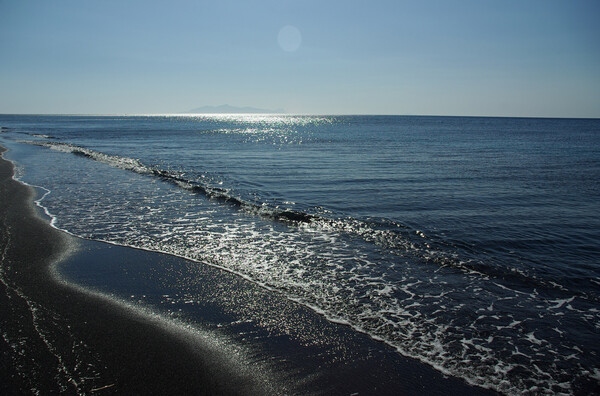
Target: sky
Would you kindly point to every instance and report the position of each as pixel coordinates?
(530, 58)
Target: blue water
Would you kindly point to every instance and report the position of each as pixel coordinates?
(471, 244)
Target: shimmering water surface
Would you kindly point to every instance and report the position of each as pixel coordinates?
(471, 244)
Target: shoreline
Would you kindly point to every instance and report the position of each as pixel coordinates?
(49, 327)
(79, 340)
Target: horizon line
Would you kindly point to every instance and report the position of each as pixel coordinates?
(290, 114)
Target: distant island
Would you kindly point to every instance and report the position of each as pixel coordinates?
(226, 109)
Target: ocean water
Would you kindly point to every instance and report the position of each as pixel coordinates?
(470, 244)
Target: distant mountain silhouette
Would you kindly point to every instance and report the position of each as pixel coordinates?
(226, 109)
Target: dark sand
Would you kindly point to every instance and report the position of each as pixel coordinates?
(58, 338)
(129, 353)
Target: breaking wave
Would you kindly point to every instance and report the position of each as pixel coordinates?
(421, 295)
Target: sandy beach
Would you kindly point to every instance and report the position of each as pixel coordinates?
(298, 198)
(129, 353)
(61, 336)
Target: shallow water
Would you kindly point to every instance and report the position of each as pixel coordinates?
(454, 240)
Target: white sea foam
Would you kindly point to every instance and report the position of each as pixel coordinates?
(421, 311)
(561, 303)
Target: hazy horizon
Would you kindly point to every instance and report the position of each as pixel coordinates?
(158, 114)
(509, 59)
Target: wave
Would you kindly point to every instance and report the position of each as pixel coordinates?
(418, 308)
(213, 193)
(388, 234)
(394, 237)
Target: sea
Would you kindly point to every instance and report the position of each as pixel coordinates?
(471, 244)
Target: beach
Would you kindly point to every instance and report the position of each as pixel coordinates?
(287, 198)
(300, 254)
(127, 351)
(59, 337)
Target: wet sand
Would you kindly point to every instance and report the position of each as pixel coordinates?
(49, 328)
(61, 338)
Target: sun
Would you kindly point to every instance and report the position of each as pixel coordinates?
(289, 38)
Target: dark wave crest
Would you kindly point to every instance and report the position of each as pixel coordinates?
(213, 193)
(392, 236)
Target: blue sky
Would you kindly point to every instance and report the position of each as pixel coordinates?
(505, 58)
